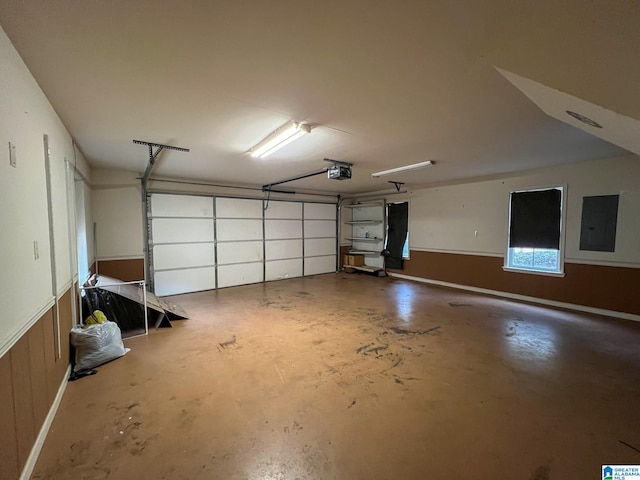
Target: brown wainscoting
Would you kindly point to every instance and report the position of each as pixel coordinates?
(30, 375)
(23, 396)
(66, 324)
(9, 465)
(128, 270)
(344, 249)
(597, 286)
(50, 355)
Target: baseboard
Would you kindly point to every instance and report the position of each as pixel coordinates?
(42, 435)
(524, 298)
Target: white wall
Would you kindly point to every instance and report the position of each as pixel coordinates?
(446, 218)
(116, 204)
(26, 288)
(117, 213)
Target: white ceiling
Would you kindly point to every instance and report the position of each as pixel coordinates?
(386, 83)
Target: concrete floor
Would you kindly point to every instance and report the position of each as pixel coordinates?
(355, 377)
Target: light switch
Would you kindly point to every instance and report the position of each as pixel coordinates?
(36, 253)
(12, 155)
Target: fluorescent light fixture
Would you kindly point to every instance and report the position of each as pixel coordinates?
(278, 139)
(413, 166)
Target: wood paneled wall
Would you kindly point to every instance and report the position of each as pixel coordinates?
(30, 376)
(344, 249)
(128, 270)
(597, 286)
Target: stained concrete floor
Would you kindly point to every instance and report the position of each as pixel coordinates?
(355, 377)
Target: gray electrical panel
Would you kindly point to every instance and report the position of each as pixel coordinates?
(599, 222)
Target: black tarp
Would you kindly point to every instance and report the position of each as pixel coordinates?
(129, 315)
(397, 223)
(124, 304)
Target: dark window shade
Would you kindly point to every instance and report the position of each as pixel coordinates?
(397, 223)
(535, 219)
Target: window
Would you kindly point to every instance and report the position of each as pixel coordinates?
(405, 247)
(544, 259)
(535, 231)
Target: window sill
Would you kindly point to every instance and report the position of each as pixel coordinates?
(533, 272)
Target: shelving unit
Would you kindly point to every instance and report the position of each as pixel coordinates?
(366, 230)
(363, 222)
(365, 268)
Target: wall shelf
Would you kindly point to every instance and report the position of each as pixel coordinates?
(365, 268)
(360, 205)
(363, 222)
(363, 252)
(364, 239)
(365, 227)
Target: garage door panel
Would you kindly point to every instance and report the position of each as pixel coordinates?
(319, 211)
(237, 252)
(276, 209)
(230, 229)
(176, 230)
(317, 265)
(248, 244)
(182, 256)
(280, 249)
(174, 282)
(181, 206)
(320, 246)
(281, 269)
(238, 208)
(277, 229)
(231, 275)
(319, 228)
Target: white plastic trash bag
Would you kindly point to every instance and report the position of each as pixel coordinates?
(97, 344)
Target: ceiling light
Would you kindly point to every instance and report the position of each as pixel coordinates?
(413, 166)
(584, 119)
(278, 139)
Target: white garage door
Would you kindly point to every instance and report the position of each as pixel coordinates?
(182, 243)
(283, 240)
(201, 243)
(319, 238)
(239, 233)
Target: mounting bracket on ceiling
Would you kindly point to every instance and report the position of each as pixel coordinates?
(337, 171)
(338, 162)
(398, 185)
(154, 155)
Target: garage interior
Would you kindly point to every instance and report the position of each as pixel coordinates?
(437, 276)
